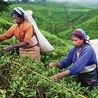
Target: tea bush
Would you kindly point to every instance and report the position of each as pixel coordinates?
(22, 77)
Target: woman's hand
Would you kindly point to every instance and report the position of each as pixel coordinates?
(57, 76)
(8, 48)
(60, 75)
(52, 64)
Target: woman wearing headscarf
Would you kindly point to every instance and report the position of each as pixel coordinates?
(83, 58)
(23, 31)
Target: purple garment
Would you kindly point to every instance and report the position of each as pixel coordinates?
(87, 57)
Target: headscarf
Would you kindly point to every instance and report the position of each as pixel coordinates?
(81, 33)
(19, 10)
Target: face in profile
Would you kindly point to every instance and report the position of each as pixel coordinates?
(17, 19)
(76, 41)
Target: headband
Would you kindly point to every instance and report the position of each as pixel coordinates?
(19, 10)
(81, 33)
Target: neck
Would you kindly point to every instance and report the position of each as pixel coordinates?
(19, 24)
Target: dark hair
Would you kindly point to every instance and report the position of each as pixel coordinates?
(20, 16)
(78, 36)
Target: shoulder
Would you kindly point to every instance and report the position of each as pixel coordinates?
(73, 50)
(27, 23)
(13, 27)
(88, 48)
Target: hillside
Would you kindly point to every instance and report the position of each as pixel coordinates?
(21, 77)
(87, 16)
(51, 18)
(88, 22)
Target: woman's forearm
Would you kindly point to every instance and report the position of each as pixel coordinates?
(21, 44)
(55, 64)
(61, 75)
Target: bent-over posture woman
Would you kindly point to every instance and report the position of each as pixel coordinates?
(23, 31)
(83, 58)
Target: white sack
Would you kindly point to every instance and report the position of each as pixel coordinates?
(45, 46)
(94, 44)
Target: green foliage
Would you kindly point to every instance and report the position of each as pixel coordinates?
(4, 25)
(21, 77)
(87, 16)
(2, 93)
(54, 18)
(49, 17)
(3, 6)
(90, 27)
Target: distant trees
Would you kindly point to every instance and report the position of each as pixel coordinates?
(40, 0)
(18, 1)
(43, 0)
(3, 6)
(24, 1)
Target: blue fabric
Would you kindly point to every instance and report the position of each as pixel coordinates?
(83, 32)
(87, 57)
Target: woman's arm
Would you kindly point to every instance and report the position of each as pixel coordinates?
(58, 75)
(21, 44)
(55, 64)
(61, 75)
